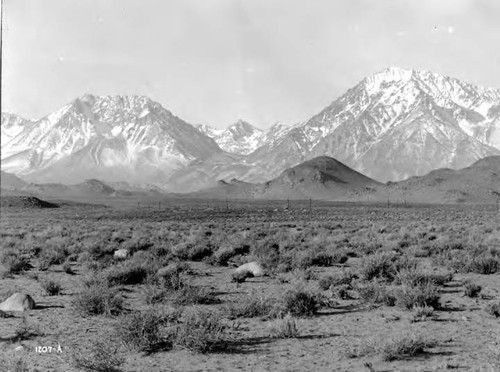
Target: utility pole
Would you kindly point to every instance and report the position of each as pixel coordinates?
(310, 205)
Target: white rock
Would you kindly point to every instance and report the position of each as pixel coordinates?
(254, 267)
(18, 302)
(121, 253)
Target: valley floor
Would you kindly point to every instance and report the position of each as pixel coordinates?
(379, 278)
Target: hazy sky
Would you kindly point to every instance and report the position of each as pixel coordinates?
(214, 61)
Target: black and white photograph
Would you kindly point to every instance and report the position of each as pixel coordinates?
(250, 185)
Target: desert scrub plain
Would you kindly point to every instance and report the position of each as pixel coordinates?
(349, 287)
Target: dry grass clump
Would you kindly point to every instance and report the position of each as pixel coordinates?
(98, 299)
(285, 327)
(52, 254)
(192, 295)
(249, 307)
(415, 276)
(99, 355)
(14, 262)
(406, 345)
(408, 297)
(338, 279)
(202, 331)
(375, 292)
(300, 302)
(422, 313)
(147, 331)
(129, 272)
(471, 289)
(380, 265)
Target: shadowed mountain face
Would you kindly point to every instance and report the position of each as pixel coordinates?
(328, 179)
(478, 183)
(318, 178)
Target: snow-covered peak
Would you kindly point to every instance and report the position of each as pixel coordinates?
(239, 138)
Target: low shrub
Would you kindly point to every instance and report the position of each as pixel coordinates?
(146, 331)
(300, 303)
(471, 289)
(127, 273)
(14, 262)
(285, 327)
(99, 355)
(406, 345)
(52, 255)
(422, 313)
(416, 276)
(202, 331)
(191, 295)
(98, 299)
(376, 293)
(344, 278)
(379, 265)
(249, 307)
(408, 297)
(51, 287)
(484, 265)
(342, 292)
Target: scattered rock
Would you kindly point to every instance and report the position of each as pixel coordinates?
(18, 302)
(121, 253)
(254, 267)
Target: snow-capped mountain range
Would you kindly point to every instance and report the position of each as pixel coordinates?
(240, 138)
(395, 124)
(127, 138)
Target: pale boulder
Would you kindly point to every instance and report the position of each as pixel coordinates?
(253, 267)
(18, 302)
(121, 253)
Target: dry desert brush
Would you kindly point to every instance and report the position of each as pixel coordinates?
(98, 299)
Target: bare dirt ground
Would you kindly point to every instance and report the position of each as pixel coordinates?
(354, 331)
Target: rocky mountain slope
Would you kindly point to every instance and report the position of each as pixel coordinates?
(11, 126)
(395, 124)
(114, 138)
(239, 138)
